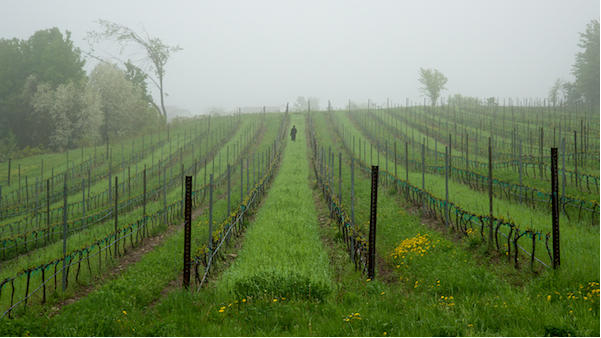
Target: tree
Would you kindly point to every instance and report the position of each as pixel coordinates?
(571, 94)
(123, 108)
(72, 112)
(156, 53)
(300, 105)
(555, 92)
(50, 57)
(586, 67)
(433, 83)
(460, 100)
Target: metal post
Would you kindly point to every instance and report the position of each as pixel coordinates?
(83, 202)
(129, 182)
(65, 233)
(165, 194)
(371, 263)
(353, 190)
(241, 181)
(423, 167)
(144, 201)
(446, 185)
(340, 177)
(187, 232)
(490, 215)
(210, 244)
(563, 168)
(395, 162)
(575, 158)
(228, 190)
(110, 197)
(407, 162)
(450, 152)
(116, 212)
(540, 161)
(555, 208)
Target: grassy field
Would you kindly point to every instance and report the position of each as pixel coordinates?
(289, 274)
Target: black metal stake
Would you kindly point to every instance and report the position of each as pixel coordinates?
(371, 263)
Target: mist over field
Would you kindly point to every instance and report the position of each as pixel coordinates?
(255, 53)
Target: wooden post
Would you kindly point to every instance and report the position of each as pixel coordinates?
(187, 232)
(371, 266)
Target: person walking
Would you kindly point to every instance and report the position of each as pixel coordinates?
(293, 133)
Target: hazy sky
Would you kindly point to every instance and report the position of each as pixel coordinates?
(250, 53)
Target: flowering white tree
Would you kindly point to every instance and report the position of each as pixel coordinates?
(123, 107)
(72, 110)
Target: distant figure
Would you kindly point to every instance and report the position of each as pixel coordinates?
(293, 133)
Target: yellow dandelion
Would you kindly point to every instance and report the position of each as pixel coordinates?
(124, 312)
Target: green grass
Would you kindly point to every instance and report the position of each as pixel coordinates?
(579, 239)
(282, 254)
(88, 236)
(489, 297)
(484, 303)
(101, 312)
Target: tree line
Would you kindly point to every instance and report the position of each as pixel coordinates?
(49, 103)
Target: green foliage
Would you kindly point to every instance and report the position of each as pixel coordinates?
(48, 56)
(460, 100)
(303, 104)
(586, 67)
(123, 106)
(433, 82)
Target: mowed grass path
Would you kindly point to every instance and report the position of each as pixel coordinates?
(282, 253)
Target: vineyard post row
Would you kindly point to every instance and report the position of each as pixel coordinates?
(172, 212)
(421, 195)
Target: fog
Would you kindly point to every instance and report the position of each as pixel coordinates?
(253, 53)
